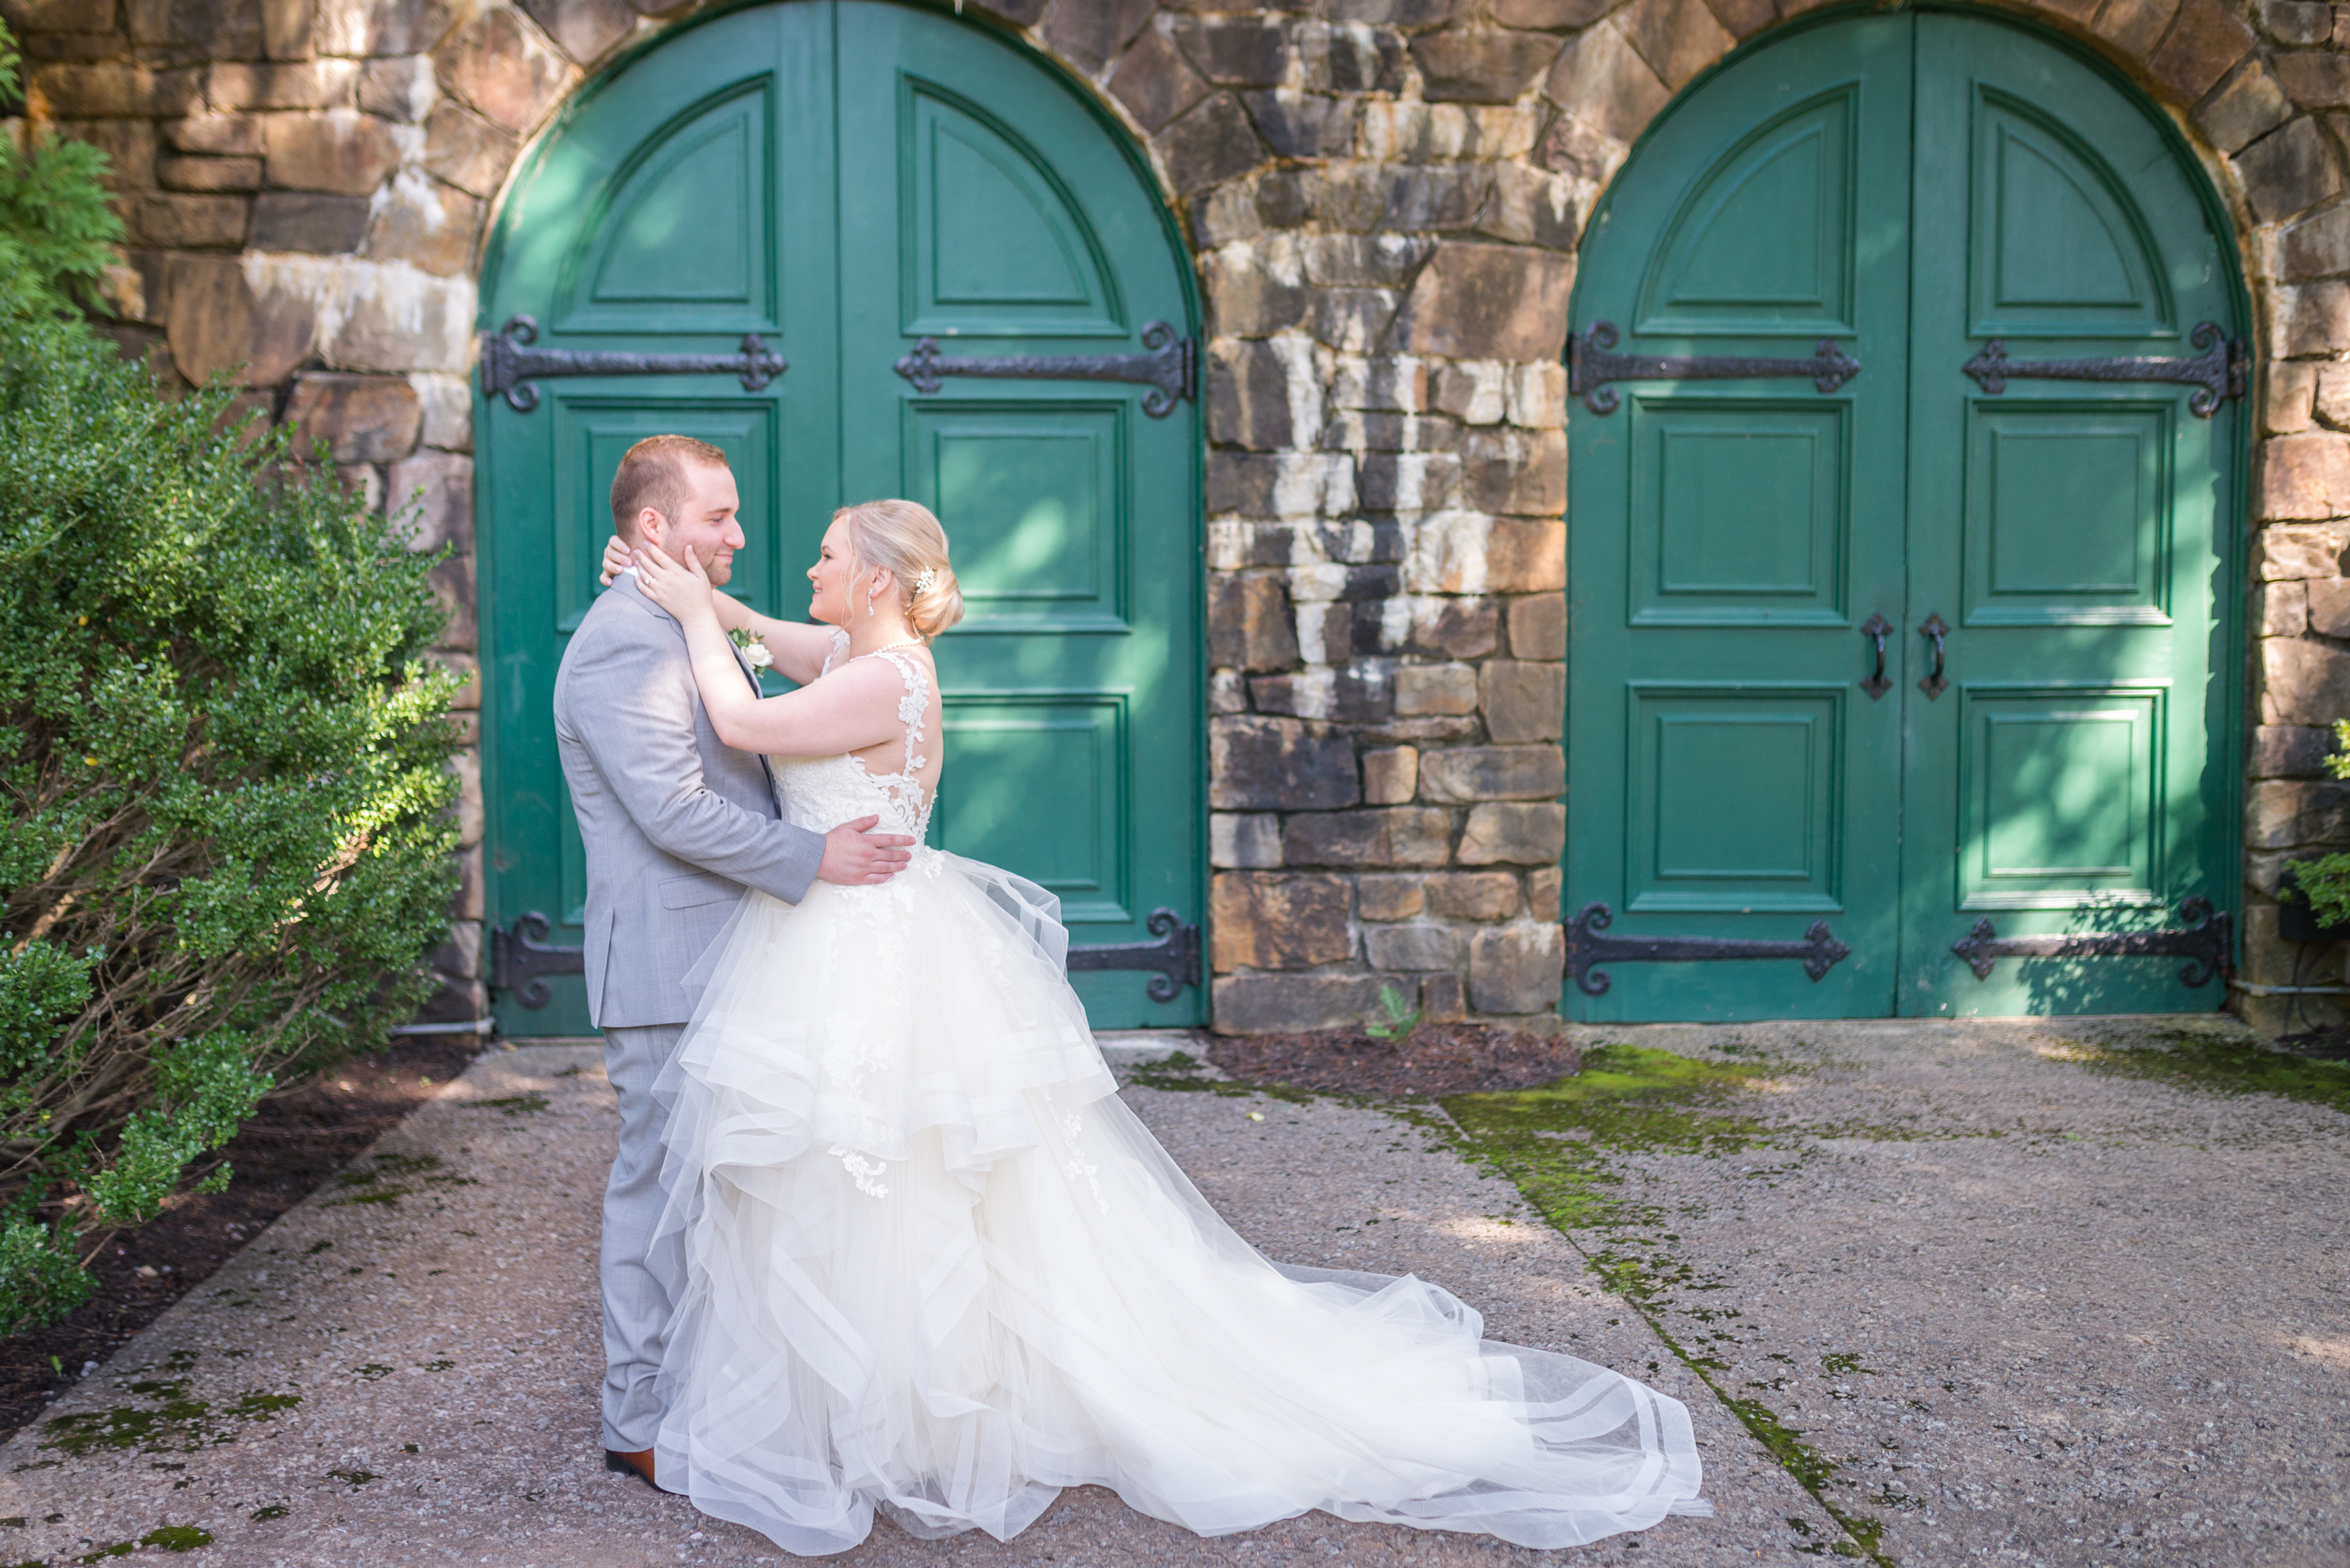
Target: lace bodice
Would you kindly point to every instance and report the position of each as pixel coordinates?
(822, 793)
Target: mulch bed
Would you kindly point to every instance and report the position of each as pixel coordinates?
(299, 1138)
(2323, 1045)
(1436, 1059)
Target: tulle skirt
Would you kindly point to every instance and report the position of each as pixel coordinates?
(936, 1268)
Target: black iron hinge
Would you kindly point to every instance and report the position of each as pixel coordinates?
(1175, 955)
(509, 365)
(1586, 948)
(1171, 369)
(2206, 942)
(2218, 373)
(521, 961)
(1590, 367)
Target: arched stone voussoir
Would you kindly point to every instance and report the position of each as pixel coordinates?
(502, 66)
(585, 30)
(1601, 81)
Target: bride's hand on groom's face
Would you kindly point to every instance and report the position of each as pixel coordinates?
(681, 589)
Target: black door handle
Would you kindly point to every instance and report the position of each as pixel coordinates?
(1933, 684)
(1876, 630)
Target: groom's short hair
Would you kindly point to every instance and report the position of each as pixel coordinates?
(653, 473)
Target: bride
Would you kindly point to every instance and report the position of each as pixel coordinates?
(938, 1268)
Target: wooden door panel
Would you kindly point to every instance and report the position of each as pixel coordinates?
(660, 218)
(1767, 239)
(842, 179)
(691, 225)
(1732, 798)
(1074, 698)
(590, 432)
(593, 432)
(2068, 513)
(2059, 246)
(1738, 511)
(704, 191)
(2062, 797)
(1040, 783)
(1728, 779)
(1038, 495)
(993, 241)
(2078, 777)
(2049, 750)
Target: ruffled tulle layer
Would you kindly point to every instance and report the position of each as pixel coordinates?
(936, 1268)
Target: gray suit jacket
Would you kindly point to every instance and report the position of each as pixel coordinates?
(676, 824)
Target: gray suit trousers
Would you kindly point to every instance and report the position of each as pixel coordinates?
(641, 1280)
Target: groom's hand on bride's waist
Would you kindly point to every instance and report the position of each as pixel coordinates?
(856, 857)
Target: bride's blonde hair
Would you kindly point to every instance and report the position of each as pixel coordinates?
(905, 539)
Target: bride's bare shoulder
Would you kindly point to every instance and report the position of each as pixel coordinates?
(834, 647)
(877, 677)
(885, 679)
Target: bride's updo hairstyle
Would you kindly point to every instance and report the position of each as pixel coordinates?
(903, 537)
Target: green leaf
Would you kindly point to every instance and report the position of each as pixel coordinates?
(2325, 887)
(10, 93)
(41, 1279)
(1399, 1022)
(58, 233)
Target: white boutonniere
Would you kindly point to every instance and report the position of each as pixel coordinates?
(754, 651)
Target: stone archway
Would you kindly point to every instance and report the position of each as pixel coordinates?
(1916, 190)
(956, 288)
(2249, 102)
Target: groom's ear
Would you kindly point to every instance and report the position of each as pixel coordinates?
(650, 526)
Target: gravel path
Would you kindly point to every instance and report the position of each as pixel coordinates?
(2004, 1306)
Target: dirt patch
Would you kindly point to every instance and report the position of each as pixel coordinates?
(298, 1140)
(2323, 1045)
(1434, 1059)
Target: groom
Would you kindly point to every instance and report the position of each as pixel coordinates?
(676, 827)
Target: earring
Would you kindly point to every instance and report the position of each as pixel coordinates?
(869, 596)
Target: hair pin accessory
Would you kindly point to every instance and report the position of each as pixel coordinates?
(928, 580)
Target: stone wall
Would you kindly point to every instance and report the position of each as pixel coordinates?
(2275, 127)
(1385, 198)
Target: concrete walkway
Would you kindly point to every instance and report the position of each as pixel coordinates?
(1991, 1301)
(2048, 1292)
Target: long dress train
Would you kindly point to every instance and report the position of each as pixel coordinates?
(938, 1268)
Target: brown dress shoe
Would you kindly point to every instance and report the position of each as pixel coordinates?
(639, 1463)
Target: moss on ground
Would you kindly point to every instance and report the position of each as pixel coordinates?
(1182, 1073)
(2217, 1066)
(170, 1423)
(381, 1182)
(1557, 1142)
(1563, 1145)
(168, 1537)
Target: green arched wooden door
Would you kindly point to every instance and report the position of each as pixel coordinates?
(2026, 803)
(844, 180)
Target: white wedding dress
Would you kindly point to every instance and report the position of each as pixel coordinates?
(938, 1268)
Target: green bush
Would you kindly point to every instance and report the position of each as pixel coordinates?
(57, 233)
(224, 826)
(2324, 882)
